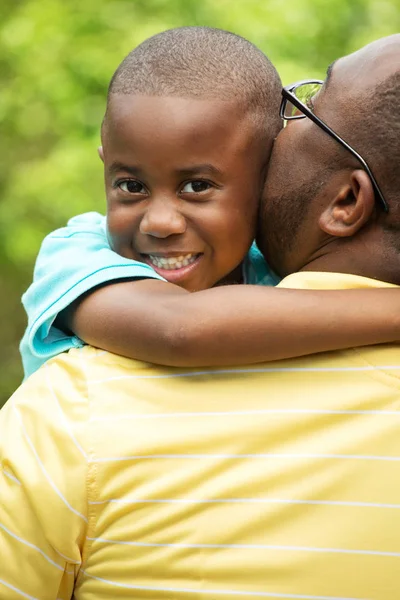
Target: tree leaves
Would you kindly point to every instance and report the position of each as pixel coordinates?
(56, 60)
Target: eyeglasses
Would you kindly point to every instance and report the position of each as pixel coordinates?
(297, 103)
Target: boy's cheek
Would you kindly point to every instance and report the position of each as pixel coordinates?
(121, 230)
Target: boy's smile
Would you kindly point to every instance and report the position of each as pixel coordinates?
(183, 179)
(173, 267)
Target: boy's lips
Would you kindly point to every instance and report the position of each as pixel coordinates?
(173, 266)
(169, 262)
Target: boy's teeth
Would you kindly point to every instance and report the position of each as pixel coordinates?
(175, 262)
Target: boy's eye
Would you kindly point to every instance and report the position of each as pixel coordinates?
(131, 186)
(196, 187)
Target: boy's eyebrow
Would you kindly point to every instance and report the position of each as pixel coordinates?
(184, 172)
(118, 166)
(202, 168)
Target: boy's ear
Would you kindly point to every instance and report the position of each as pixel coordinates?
(101, 152)
(352, 207)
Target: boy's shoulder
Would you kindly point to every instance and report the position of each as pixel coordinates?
(90, 222)
(256, 270)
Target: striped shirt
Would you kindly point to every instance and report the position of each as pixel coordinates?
(121, 479)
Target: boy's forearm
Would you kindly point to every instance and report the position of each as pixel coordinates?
(159, 322)
(266, 324)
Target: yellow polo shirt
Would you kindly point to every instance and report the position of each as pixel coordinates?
(121, 479)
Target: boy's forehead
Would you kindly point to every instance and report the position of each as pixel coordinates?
(122, 106)
(174, 112)
(130, 114)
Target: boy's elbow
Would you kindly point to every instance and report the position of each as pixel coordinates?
(182, 343)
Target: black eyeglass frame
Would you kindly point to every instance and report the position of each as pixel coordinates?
(288, 95)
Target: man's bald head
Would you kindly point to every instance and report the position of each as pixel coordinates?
(370, 116)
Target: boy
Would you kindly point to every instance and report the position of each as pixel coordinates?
(191, 117)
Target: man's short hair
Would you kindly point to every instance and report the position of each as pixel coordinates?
(373, 128)
(203, 63)
(380, 131)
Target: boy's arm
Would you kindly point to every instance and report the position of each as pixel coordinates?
(71, 261)
(162, 323)
(42, 489)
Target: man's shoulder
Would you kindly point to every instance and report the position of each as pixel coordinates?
(100, 364)
(108, 383)
(61, 381)
(86, 365)
(380, 362)
(97, 366)
(129, 379)
(331, 280)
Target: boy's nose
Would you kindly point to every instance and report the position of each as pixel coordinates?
(162, 220)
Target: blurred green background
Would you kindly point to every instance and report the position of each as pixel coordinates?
(56, 59)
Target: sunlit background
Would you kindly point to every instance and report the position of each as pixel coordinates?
(56, 59)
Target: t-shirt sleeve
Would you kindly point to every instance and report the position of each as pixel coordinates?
(71, 261)
(256, 270)
(43, 483)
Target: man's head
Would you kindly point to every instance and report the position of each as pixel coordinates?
(320, 210)
(190, 121)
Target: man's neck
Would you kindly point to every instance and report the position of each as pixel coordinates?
(383, 268)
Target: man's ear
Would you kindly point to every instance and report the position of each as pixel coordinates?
(352, 207)
(101, 152)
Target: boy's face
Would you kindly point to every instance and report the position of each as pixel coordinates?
(183, 179)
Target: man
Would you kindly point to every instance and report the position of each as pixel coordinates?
(122, 479)
(360, 102)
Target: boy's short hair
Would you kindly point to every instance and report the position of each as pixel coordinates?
(203, 63)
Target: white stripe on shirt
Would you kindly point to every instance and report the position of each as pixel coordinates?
(249, 547)
(36, 548)
(17, 591)
(233, 413)
(244, 501)
(219, 592)
(211, 373)
(64, 420)
(298, 455)
(43, 469)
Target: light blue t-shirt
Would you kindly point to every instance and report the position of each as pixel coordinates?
(76, 259)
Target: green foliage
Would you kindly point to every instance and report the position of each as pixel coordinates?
(56, 59)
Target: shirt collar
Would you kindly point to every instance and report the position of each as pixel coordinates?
(315, 280)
